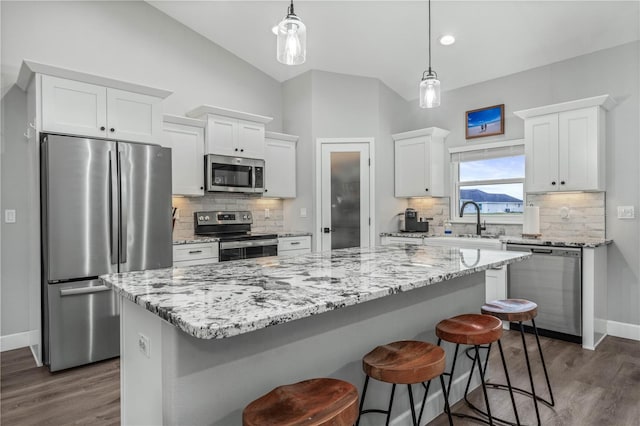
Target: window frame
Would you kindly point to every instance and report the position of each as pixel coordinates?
(494, 219)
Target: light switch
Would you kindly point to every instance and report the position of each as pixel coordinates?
(143, 344)
(267, 213)
(10, 216)
(626, 212)
(303, 212)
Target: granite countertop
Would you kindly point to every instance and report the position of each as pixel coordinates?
(542, 241)
(230, 298)
(196, 239)
(284, 234)
(558, 242)
(405, 234)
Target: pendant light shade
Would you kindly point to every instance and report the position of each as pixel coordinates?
(292, 39)
(429, 85)
(429, 90)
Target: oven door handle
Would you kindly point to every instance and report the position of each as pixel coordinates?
(244, 244)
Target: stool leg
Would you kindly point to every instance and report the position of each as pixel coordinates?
(544, 365)
(484, 386)
(533, 389)
(393, 391)
(424, 399)
(364, 393)
(447, 409)
(413, 408)
(506, 373)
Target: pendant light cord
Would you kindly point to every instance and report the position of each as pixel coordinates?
(429, 35)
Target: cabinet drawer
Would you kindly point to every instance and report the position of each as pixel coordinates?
(194, 251)
(182, 263)
(294, 243)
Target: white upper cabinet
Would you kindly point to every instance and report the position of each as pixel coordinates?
(565, 145)
(185, 137)
(85, 109)
(280, 165)
(419, 163)
(233, 133)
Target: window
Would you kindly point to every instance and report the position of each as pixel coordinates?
(492, 176)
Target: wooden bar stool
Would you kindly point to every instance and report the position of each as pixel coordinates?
(519, 310)
(404, 362)
(475, 330)
(314, 402)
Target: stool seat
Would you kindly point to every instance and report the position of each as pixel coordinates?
(405, 362)
(313, 402)
(513, 310)
(470, 329)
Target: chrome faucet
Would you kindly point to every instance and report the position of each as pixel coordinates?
(479, 227)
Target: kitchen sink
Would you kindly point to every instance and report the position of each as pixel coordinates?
(472, 241)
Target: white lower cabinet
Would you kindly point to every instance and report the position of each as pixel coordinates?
(401, 240)
(294, 246)
(185, 137)
(195, 254)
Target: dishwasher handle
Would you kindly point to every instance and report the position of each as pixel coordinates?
(541, 251)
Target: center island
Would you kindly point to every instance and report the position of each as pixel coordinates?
(199, 343)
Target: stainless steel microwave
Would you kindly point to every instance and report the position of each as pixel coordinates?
(234, 174)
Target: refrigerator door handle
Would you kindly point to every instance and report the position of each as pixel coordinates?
(83, 290)
(113, 210)
(124, 214)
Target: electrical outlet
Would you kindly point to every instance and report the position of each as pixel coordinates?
(143, 344)
(266, 213)
(303, 212)
(9, 216)
(626, 212)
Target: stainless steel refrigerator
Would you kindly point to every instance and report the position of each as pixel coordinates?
(106, 207)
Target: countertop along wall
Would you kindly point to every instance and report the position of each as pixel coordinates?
(131, 41)
(611, 71)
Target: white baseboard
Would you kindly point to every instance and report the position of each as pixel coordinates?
(18, 340)
(624, 330)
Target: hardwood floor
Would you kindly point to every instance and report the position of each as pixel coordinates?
(591, 388)
(599, 387)
(30, 395)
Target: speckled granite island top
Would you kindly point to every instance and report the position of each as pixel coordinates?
(230, 298)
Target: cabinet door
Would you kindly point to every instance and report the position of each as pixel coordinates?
(411, 176)
(541, 149)
(280, 169)
(187, 154)
(251, 139)
(222, 135)
(133, 116)
(578, 150)
(73, 107)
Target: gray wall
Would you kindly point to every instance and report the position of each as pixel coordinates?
(612, 71)
(330, 105)
(130, 41)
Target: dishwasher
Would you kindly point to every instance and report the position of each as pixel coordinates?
(552, 278)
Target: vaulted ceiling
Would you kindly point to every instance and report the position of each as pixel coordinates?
(388, 39)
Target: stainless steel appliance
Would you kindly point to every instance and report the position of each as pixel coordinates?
(106, 207)
(411, 222)
(552, 278)
(234, 174)
(234, 230)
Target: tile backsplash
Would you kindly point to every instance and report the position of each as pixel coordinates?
(256, 205)
(586, 216)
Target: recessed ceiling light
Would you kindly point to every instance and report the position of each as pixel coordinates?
(447, 40)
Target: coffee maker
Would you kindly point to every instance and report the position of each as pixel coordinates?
(411, 223)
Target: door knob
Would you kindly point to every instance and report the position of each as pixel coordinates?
(102, 128)
(327, 230)
(112, 130)
(553, 183)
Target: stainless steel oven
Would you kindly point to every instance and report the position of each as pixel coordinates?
(233, 228)
(248, 249)
(234, 174)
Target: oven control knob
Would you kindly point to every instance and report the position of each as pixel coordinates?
(200, 217)
(206, 218)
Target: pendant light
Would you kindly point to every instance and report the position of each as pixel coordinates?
(292, 39)
(429, 85)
